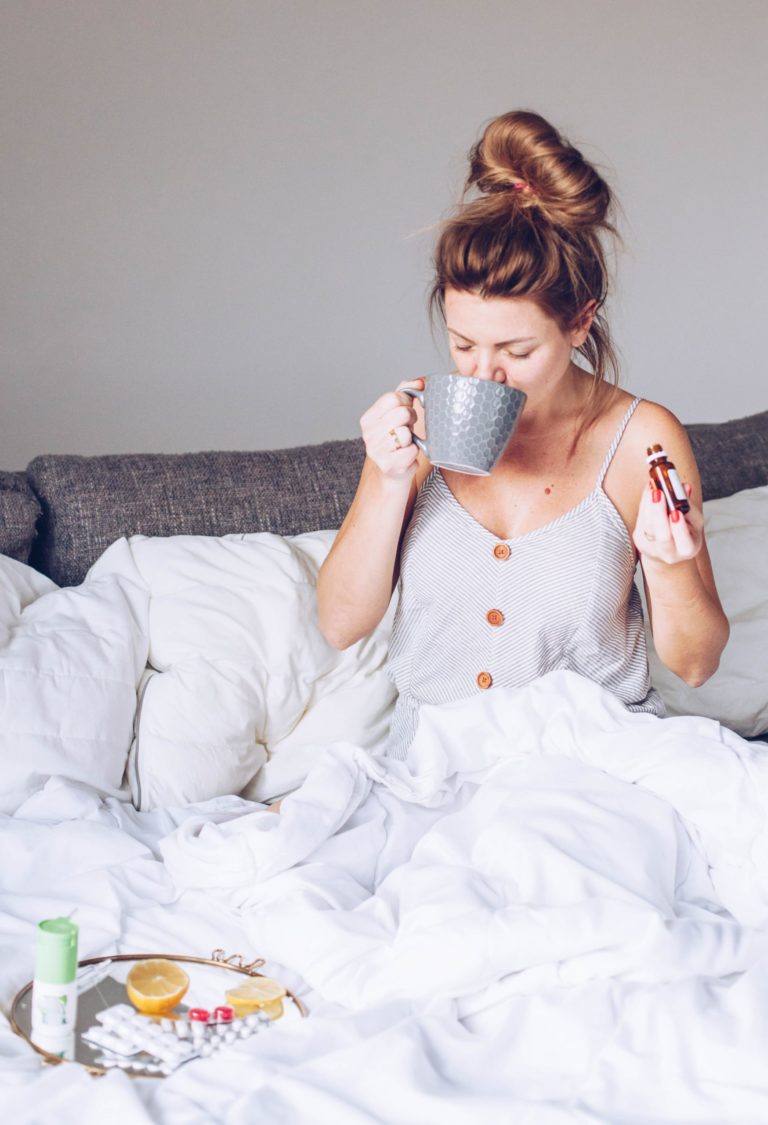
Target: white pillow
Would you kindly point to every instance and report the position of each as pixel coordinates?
(242, 689)
(737, 695)
(70, 661)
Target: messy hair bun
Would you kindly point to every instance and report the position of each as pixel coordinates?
(531, 223)
(521, 153)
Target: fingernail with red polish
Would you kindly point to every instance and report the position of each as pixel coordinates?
(674, 516)
(656, 495)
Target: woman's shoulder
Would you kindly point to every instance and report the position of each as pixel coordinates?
(650, 424)
(646, 414)
(654, 424)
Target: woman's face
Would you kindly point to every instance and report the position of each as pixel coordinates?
(509, 340)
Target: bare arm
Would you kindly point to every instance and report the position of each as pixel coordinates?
(356, 580)
(690, 629)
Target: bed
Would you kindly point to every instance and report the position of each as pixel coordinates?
(556, 911)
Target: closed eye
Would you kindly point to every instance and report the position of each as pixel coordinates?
(468, 348)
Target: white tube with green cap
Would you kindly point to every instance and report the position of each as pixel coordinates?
(54, 988)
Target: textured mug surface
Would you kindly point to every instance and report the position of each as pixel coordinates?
(468, 421)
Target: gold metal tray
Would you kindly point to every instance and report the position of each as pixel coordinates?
(207, 987)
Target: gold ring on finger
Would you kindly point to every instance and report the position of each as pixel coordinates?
(395, 439)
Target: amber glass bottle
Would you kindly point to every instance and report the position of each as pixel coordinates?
(665, 478)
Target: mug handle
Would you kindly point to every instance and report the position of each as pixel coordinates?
(422, 445)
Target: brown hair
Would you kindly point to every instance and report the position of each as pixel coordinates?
(531, 224)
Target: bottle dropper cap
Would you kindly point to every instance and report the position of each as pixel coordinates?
(56, 951)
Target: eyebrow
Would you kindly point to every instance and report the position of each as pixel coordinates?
(501, 344)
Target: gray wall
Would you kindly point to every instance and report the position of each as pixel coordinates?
(216, 212)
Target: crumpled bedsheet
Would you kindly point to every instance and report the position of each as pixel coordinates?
(554, 911)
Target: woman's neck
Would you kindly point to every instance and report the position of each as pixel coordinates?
(560, 406)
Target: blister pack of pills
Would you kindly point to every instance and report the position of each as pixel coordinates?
(131, 1041)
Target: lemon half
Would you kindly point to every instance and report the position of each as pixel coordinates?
(156, 985)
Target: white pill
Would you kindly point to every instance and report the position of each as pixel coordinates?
(252, 1020)
(166, 1047)
(206, 1049)
(116, 1012)
(181, 1027)
(244, 1031)
(230, 1037)
(106, 1039)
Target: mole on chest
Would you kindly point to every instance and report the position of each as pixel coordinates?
(515, 508)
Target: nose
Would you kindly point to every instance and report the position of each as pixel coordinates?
(488, 367)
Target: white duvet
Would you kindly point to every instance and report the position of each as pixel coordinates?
(555, 911)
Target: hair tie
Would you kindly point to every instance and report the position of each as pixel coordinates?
(503, 188)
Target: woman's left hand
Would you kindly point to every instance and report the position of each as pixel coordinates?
(670, 537)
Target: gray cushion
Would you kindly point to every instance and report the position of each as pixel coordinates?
(731, 455)
(88, 502)
(19, 512)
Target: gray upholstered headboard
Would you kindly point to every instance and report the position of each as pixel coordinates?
(19, 513)
(88, 502)
(731, 455)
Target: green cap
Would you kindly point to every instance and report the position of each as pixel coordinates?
(56, 951)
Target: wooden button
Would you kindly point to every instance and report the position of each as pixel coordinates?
(484, 680)
(494, 617)
(501, 551)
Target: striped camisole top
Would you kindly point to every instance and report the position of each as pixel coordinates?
(478, 612)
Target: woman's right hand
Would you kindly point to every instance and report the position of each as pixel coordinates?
(387, 429)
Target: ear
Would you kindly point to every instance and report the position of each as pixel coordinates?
(580, 331)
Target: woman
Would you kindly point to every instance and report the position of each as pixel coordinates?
(507, 577)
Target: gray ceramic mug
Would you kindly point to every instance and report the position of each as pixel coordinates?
(468, 421)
